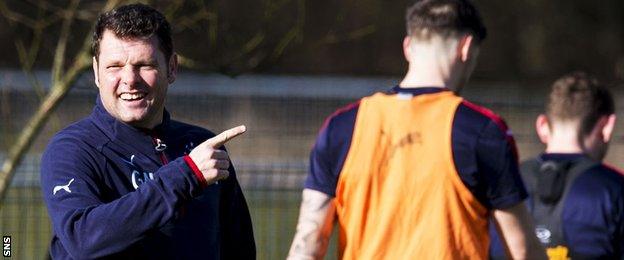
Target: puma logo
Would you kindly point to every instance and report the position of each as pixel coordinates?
(63, 187)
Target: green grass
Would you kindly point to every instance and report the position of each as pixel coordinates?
(274, 215)
(23, 216)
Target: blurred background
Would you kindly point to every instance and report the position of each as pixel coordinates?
(280, 67)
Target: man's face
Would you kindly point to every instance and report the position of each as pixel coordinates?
(132, 76)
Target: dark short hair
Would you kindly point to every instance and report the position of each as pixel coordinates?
(426, 18)
(579, 96)
(135, 21)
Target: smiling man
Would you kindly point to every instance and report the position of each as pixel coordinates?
(129, 182)
(133, 76)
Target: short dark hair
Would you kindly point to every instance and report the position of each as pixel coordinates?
(579, 96)
(135, 21)
(445, 18)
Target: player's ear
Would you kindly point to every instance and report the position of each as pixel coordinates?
(607, 128)
(407, 52)
(172, 68)
(95, 72)
(542, 127)
(465, 47)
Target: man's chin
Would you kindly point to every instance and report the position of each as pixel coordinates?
(134, 120)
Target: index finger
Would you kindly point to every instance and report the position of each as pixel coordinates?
(225, 136)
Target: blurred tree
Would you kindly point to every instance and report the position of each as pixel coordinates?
(63, 76)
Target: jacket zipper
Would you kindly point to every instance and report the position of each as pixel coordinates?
(160, 148)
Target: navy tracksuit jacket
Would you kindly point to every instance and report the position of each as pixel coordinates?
(111, 194)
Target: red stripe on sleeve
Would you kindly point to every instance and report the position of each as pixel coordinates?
(338, 112)
(613, 168)
(198, 174)
(498, 121)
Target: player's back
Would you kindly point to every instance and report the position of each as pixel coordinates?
(399, 193)
(591, 216)
(414, 172)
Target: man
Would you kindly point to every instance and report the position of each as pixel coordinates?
(416, 172)
(577, 202)
(127, 181)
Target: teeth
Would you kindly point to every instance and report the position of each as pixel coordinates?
(131, 96)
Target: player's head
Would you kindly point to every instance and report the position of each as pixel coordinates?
(444, 18)
(135, 21)
(134, 63)
(579, 104)
(447, 33)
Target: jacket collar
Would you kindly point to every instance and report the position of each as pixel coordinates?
(417, 91)
(129, 137)
(561, 156)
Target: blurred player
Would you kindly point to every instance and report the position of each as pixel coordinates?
(577, 202)
(129, 182)
(416, 172)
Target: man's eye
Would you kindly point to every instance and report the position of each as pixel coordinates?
(113, 67)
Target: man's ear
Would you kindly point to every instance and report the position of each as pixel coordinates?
(542, 127)
(465, 47)
(607, 127)
(407, 52)
(95, 72)
(172, 68)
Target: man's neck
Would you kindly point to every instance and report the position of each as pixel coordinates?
(431, 63)
(420, 80)
(429, 75)
(150, 123)
(564, 139)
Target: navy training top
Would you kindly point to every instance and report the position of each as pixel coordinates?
(593, 212)
(111, 194)
(483, 148)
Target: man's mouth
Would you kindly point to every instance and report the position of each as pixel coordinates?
(132, 96)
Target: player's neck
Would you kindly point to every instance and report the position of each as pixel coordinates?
(419, 80)
(563, 140)
(430, 74)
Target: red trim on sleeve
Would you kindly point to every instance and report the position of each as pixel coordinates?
(498, 121)
(338, 112)
(613, 168)
(198, 174)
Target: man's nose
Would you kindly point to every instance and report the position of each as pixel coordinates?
(130, 75)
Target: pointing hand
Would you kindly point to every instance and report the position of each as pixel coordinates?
(212, 162)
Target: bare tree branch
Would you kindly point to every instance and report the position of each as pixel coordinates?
(27, 61)
(253, 43)
(61, 45)
(333, 38)
(16, 17)
(294, 33)
(188, 62)
(192, 21)
(46, 6)
(60, 87)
